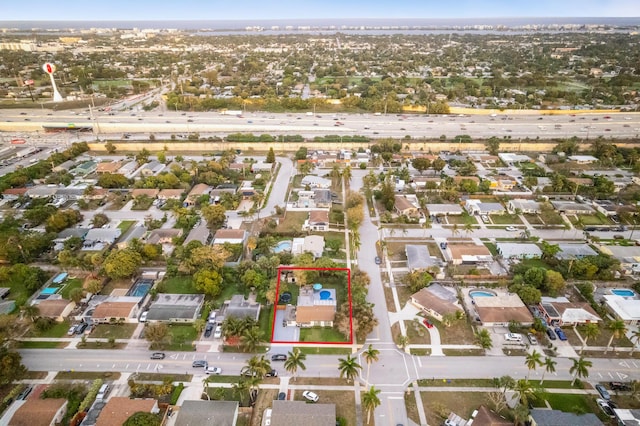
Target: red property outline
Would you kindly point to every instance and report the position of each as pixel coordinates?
(275, 310)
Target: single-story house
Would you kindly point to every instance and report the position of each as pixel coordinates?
(629, 257)
(571, 207)
(287, 413)
(170, 194)
(501, 309)
(14, 193)
(56, 309)
(108, 167)
(606, 207)
(468, 253)
(196, 192)
(261, 167)
(436, 301)
(322, 198)
(318, 221)
(40, 412)
(207, 413)
(313, 311)
(175, 308)
(583, 159)
(119, 408)
(66, 166)
(444, 209)
(152, 168)
(559, 311)
(523, 206)
(518, 250)
(547, 417)
(106, 236)
(135, 232)
(419, 258)
(623, 308)
(239, 307)
(575, 251)
(163, 236)
(41, 191)
(231, 236)
(85, 168)
(313, 244)
(112, 311)
(313, 181)
(128, 169)
(477, 207)
(511, 158)
(145, 192)
(199, 233)
(403, 206)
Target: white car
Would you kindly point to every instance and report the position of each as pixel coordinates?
(310, 396)
(513, 337)
(213, 370)
(218, 333)
(511, 228)
(605, 407)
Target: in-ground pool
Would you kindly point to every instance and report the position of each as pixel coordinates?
(325, 295)
(624, 292)
(50, 290)
(282, 246)
(140, 288)
(481, 293)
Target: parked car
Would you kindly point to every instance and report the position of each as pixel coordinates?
(278, 357)
(485, 218)
(25, 393)
(80, 328)
(378, 260)
(157, 355)
(605, 408)
(603, 392)
(310, 396)
(427, 323)
(282, 396)
(143, 317)
(511, 228)
(618, 386)
(272, 373)
(199, 364)
(560, 334)
(532, 339)
(218, 333)
(213, 370)
(551, 334)
(212, 317)
(208, 330)
(513, 337)
(71, 331)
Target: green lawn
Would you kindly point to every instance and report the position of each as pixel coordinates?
(182, 337)
(533, 219)
(505, 219)
(317, 334)
(125, 225)
(292, 222)
(59, 329)
(86, 375)
(319, 350)
(178, 285)
(462, 219)
(535, 263)
(266, 321)
(41, 345)
(70, 285)
(574, 403)
(117, 331)
(592, 219)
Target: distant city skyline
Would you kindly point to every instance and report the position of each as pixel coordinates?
(41, 10)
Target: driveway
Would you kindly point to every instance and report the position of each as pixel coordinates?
(284, 334)
(409, 313)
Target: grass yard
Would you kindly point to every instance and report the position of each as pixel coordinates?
(86, 375)
(601, 340)
(417, 333)
(459, 332)
(115, 284)
(438, 405)
(292, 222)
(550, 217)
(463, 219)
(533, 219)
(125, 225)
(320, 350)
(463, 352)
(506, 219)
(265, 321)
(395, 251)
(182, 337)
(345, 402)
(117, 331)
(41, 345)
(460, 383)
(573, 403)
(70, 285)
(157, 377)
(177, 285)
(388, 297)
(535, 263)
(101, 345)
(59, 329)
(317, 334)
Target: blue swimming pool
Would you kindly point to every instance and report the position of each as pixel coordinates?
(140, 288)
(282, 246)
(481, 293)
(325, 295)
(624, 292)
(49, 290)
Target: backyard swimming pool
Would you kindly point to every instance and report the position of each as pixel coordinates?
(140, 288)
(282, 246)
(481, 293)
(50, 290)
(624, 292)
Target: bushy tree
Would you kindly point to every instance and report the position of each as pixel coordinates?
(122, 263)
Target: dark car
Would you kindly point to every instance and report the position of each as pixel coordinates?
(603, 392)
(378, 260)
(272, 373)
(427, 323)
(551, 334)
(278, 357)
(199, 364)
(80, 328)
(560, 334)
(208, 330)
(617, 386)
(25, 393)
(282, 396)
(157, 355)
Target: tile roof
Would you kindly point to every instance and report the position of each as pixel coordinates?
(288, 413)
(37, 412)
(119, 409)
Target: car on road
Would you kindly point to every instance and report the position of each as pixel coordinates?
(157, 355)
(310, 396)
(603, 392)
(618, 386)
(551, 334)
(272, 373)
(208, 330)
(561, 334)
(282, 396)
(213, 370)
(513, 337)
(199, 363)
(278, 357)
(605, 408)
(532, 339)
(378, 260)
(511, 228)
(427, 323)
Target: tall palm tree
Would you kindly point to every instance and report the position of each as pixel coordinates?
(468, 228)
(455, 230)
(31, 311)
(483, 338)
(251, 339)
(294, 361)
(370, 401)
(590, 331)
(532, 361)
(403, 341)
(524, 390)
(635, 339)
(231, 326)
(257, 366)
(618, 328)
(549, 367)
(349, 368)
(580, 368)
(241, 389)
(370, 355)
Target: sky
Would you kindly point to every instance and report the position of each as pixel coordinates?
(93, 10)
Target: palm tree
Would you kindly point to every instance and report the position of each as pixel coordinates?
(348, 368)
(31, 311)
(370, 356)
(618, 328)
(241, 389)
(524, 390)
(295, 361)
(468, 228)
(455, 230)
(483, 338)
(403, 341)
(580, 368)
(256, 366)
(533, 360)
(589, 331)
(635, 338)
(251, 339)
(370, 401)
(231, 326)
(549, 367)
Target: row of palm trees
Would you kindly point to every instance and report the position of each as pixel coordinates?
(618, 329)
(579, 369)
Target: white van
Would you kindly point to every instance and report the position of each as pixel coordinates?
(218, 333)
(212, 317)
(102, 393)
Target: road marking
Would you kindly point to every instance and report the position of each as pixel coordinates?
(126, 367)
(624, 364)
(622, 376)
(634, 364)
(419, 362)
(600, 375)
(113, 366)
(148, 366)
(611, 375)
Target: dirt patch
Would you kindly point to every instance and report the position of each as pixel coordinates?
(264, 401)
(326, 381)
(459, 332)
(438, 405)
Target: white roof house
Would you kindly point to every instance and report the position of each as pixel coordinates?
(316, 182)
(474, 206)
(444, 209)
(510, 158)
(524, 206)
(628, 310)
(313, 244)
(575, 251)
(583, 159)
(518, 250)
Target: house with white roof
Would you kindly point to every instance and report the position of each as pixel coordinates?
(444, 209)
(313, 181)
(477, 207)
(524, 206)
(559, 311)
(519, 250)
(623, 308)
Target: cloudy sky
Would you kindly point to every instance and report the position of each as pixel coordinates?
(92, 10)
